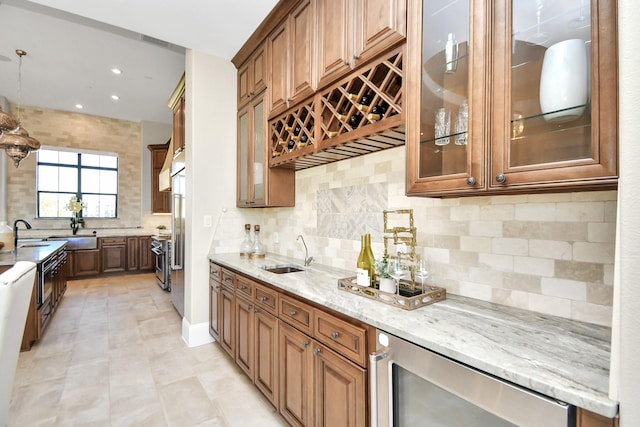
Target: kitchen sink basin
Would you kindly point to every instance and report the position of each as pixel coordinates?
(75, 243)
(283, 268)
(32, 245)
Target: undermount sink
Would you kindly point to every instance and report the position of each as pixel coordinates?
(75, 243)
(32, 245)
(283, 268)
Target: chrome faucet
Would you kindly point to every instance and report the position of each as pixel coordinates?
(307, 258)
(15, 231)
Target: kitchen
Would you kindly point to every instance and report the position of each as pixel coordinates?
(208, 75)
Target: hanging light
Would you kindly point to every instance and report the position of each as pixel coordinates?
(15, 139)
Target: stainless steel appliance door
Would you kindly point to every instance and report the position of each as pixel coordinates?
(413, 386)
(178, 241)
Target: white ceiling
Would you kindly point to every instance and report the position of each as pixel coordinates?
(73, 44)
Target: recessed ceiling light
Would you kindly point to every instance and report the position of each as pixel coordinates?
(79, 106)
(117, 71)
(115, 97)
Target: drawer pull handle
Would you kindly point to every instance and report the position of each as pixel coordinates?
(263, 299)
(316, 351)
(292, 313)
(305, 344)
(334, 335)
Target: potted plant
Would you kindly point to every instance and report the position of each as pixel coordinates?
(387, 284)
(161, 228)
(75, 206)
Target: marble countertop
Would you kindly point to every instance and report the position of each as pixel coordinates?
(31, 252)
(560, 358)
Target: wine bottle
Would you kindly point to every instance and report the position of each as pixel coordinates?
(355, 120)
(366, 273)
(296, 130)
(291, 144)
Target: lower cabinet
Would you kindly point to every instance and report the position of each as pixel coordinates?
(244, 335)
(310, 364)
(84, 262)
(113, 254)
(340, 390)
(265, 354)
(296, 386)
(226, 321)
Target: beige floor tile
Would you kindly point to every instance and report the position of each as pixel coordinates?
(186, 403)
(112, 355)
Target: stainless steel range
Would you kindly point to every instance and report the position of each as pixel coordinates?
(161, 248)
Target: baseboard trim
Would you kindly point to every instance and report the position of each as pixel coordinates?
(195, 335)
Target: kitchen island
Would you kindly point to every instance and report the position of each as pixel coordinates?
(563, 359)
(49, 286)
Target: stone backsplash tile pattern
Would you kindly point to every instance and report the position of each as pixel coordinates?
(78, 131)
(550, 253)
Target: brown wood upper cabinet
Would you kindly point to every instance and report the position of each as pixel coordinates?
(177, 105)
(511, 96)
(257, 184)
(352, 31)
(160, 200)
(252, 76)
(291, 52)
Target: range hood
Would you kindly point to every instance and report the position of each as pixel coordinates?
(164, 179)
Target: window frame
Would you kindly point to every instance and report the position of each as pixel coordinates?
(79, 168)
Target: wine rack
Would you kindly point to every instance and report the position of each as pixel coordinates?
(292, 134)
(370, 96)
(360, 114)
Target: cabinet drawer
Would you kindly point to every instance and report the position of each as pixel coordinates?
(296, 313)
(215, 271)
(267, 298)
(108, 241)
(244, 286)
(228, 279)
(343, 337)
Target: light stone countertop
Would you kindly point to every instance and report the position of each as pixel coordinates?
(34, 253)
(560, 358)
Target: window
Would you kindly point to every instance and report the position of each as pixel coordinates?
(90, 176)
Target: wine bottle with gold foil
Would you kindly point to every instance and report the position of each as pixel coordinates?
(366, 272)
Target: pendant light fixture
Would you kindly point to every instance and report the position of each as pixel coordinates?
(15, 139)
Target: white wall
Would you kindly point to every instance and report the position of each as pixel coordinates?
(210, 132)
(626, 327)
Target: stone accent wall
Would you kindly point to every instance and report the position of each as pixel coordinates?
(84, 132)
(550, 253)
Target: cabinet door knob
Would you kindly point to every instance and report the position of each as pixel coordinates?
(316, 351)
(346, 62)
(334, 335)
(356, 56)
(292, 313)
(305, 344)
(471, 181)
(255, 311)
(263, 299)
(501, 178)
(249, 307)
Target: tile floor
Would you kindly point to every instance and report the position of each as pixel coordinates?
(113, 356)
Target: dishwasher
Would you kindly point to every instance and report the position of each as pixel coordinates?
(413, 386)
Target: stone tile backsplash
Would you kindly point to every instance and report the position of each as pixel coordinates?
(550, 253)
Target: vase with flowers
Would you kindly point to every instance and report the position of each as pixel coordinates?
(75, 206)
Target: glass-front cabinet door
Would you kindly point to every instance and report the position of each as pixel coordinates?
(445, 96)
(251, 154)
(555, 94)
(511, 95)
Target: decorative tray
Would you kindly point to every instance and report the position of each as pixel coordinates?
(430, 295)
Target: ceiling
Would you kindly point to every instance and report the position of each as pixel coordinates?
(72, 45)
